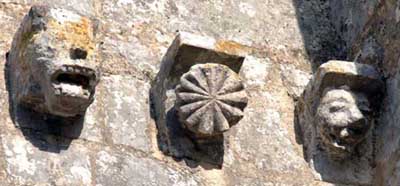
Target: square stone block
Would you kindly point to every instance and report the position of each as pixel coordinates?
(359, 77)
(127, 113)
(189, 49)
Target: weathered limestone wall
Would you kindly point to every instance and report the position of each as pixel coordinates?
(117, 143)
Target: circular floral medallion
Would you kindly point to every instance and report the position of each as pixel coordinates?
(210, 99)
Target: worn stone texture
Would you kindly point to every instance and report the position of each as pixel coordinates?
(28, 165)
(267, 119)
(284, 40)
(127, 112)
(122, 169)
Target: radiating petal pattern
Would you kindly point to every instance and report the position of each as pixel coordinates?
(210, 99)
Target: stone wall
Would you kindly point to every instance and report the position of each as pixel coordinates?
(118, 142)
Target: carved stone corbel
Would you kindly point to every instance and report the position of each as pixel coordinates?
(197, 96)
(52, 65)
(336, 117)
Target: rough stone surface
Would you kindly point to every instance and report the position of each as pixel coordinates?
(123, 169)
(210, 99)
(127, 112)
(294, 79)
(275, 46)
(27, 165)
(248, 159)
(92, 125)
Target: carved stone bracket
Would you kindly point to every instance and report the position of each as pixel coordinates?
(336, 115)
(197, 96)
(52, 65)
(52, 74)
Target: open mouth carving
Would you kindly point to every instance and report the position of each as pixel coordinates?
(74, 81)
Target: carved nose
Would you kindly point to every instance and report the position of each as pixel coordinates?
(344, 133)
(77, 53)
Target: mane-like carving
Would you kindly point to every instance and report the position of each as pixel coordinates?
(343, 120)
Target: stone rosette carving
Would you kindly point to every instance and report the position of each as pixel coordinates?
(197, 95)
(210, 99)
(52, 62)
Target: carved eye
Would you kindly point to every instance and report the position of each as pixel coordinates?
(332, 136)
(365, 110)
(335, 108)
(355, 131)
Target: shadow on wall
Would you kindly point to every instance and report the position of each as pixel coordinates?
(46, 132)
(322, 41)
(330, 27)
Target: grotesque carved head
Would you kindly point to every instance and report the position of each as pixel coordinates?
(341, 102)
(210, 99)
(343, 119)
(51, 65)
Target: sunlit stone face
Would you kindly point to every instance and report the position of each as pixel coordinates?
(342, 119)
(52, 61)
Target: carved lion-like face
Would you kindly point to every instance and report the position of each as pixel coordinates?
(53, 63)
(342, 119)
